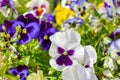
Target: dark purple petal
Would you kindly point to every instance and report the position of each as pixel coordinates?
(22, 19)
(45, 44)
(40, 37)
(48, 26)
(112, 35)
(64, 60)
(31, 18)
(25, 38)
(42, 24)
(13, 71)
(118, 53)
(70, 52)
(28, 18)
(60, 60)
(50, 18)
(68, 61)
(8, 25)
(60, 50)
(4, 3)
(33, 29)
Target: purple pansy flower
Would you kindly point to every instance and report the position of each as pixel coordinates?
(65, 49)
(21, 71)
(50, 18)
(74, 22)
(7, 3)
(46, 31)
(30, 28)
(78, 3)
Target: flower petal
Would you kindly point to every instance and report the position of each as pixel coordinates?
(78, 54)
(33, 29)
(53, 51)
(90, 55)
(45, 44)
(64, 39)
(60, 50)
(25, 38)
(75, 72)
(13, 71)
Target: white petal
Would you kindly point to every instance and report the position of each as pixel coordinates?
(90, 54)
(108, 63)
(53, 50)
(38, 3)
(68, 39)
(79, 54)
(55, 65)
(75, 72)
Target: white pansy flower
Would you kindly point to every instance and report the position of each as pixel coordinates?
(65, 49)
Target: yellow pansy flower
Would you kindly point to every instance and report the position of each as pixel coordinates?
(62, 14)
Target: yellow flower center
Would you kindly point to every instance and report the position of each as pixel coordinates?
(24, 31)
(64, 53)
(39, 10)
(45, 37)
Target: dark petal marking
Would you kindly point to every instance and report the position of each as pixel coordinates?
(60, 60)
(70, 52)
(60, 50)
(45, 44)
(25, 38)
(118, 53)
(68, 61)
(31, 18)
(64, 60)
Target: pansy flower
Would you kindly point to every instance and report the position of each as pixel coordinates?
(21, 71)
(107, 11)
(74, 22)
(46, 31)
(5, 5)
(65, 49)
(114, 50)
(38, 7)
(29, 28)
(65, 12)
(78, 72)
(78, 6)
